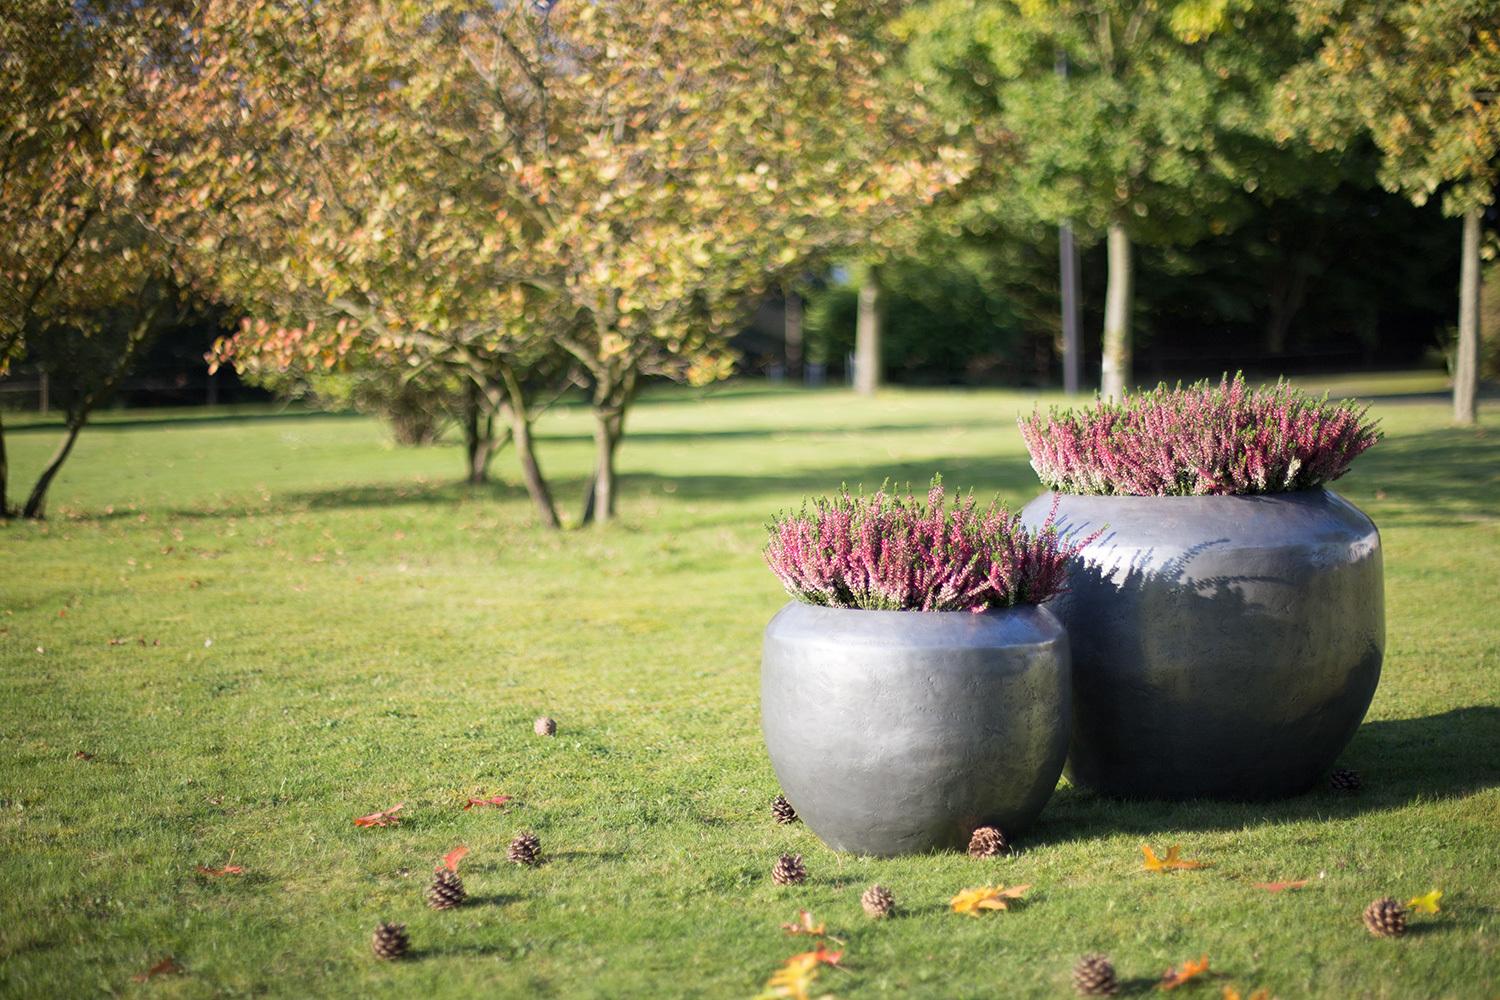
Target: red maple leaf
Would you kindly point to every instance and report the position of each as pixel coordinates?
(493, 800)
(386, 817)
(166, 967)
(453, 857)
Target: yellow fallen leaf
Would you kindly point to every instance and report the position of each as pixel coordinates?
(1427, 903)
(1172, 860)
(987, 897)
(1230, 993)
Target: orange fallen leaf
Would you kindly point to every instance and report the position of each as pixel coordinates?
(386, 817)
(493, 800)
(796, 975)
(453, 857)
(988, 897)
(166, 967)
(1280, 886)
(221, 872)
(1173, 978)
(1172, 860)
(1230, 993)
(805, 925)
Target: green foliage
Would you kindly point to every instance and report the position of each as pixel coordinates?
(1159, 124)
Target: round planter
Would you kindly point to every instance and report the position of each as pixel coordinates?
(1223, 646)
(895, 732)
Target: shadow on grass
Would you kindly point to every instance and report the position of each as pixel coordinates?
(983, 475)
(1447, 756)
(1439, 476)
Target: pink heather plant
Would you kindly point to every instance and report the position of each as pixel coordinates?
(892, 553)
(1203, 440)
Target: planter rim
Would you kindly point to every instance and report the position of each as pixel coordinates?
(929, 615)
(1201, 497)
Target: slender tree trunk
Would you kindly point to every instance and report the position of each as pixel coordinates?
(793, 330)
(1466, 365)
(477, 449)
(610, 403)
(5, 511)
(867, 335)
(1072, 349)
(516, 410)
(1117, 301)
(36, 503)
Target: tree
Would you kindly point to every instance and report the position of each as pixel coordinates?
(1422, 78)
(1155, 134)
(614, 180)
(88, 187)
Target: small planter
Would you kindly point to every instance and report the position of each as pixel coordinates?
(1223, 646)
(894, 732)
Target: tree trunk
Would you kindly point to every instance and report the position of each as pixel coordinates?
(610, 404)
(793, 328)
(1466, 365)
(477, 450)
(1072, 349)
(1117, 301)
(867, 335)
(5, 511)
(36, 503)
(516, 410)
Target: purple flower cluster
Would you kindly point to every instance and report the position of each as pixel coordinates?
(1206, 439)
(893, 553)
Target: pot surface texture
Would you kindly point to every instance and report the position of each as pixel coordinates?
(1223, 646)
(896, 732)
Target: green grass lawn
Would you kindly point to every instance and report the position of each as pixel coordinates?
(263, 626)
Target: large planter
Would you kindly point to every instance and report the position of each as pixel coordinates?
(1223, 646)
(894, 732)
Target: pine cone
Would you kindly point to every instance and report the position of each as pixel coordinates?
(789, 870)
(526, 849)
(1344, 780)
(878, 901)
(446, 890)
(1386, 918)
(987, 842)
(545, 725)
(1094, 976)
(782, 810)
(389, 940)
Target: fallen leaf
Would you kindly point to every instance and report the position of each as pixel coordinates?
(1155, 864)
(1427, 903)
(82, 755)
(806, 926)
(166, 967)
(988, 897)
(1280, 886)
(453, 857)
(221, 872)
(493, 800)
(386, 817)
(1230, 993)
(1173, 978)
(797, 973)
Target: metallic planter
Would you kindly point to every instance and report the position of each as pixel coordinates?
(1223, 647)
(895, 732)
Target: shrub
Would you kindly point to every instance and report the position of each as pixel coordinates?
(893, 553)
(1203, 440)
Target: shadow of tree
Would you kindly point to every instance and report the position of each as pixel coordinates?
(1450, 755)
(1434, 478)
